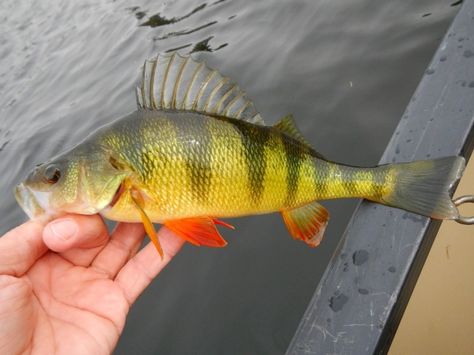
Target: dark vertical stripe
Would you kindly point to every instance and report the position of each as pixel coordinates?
(349, 185)
(195, 139)
(322, 178)
(379, 176)
(254, 139)
(134, 151)
(362, 182)
(294, 155)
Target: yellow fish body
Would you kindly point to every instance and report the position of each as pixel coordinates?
(196, 149)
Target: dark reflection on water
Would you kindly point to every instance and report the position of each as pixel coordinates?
(205, 46)
(185, 32)
(158, 20)
(346, 70)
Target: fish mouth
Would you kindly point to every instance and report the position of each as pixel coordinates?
(28, 202)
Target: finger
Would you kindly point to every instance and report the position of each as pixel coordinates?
(124, 244)
(16, 309)
(77, 238)
(137, 274)
(20, 248)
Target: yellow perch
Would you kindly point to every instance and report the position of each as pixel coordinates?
(197, 150)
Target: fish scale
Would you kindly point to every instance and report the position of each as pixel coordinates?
(268, 162)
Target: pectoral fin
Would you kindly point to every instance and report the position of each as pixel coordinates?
(198, 231)
(149, 228)
(307, 223)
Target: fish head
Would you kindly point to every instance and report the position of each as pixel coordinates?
(82, 181)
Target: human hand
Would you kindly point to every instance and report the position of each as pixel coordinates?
(73, 298)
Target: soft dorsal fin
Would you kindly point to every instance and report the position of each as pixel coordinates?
(287, 125)
(174, 82)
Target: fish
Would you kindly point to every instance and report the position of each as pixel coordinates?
(196, 150)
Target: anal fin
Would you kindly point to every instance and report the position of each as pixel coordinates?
(197, 231)
(307, 223)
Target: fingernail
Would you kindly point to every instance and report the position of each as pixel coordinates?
(64, 228)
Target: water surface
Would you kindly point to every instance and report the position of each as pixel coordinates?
(346, 70)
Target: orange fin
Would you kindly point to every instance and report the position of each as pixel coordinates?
(224, 224)
(197, 231)
(149, 228)
(307, 223)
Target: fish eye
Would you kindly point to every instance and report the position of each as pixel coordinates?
(52, 174)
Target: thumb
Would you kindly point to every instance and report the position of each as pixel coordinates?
(75, 231)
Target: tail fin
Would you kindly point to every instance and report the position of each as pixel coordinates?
(424, 186)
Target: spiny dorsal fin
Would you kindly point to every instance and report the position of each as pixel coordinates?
(287, 125)
(174, 82)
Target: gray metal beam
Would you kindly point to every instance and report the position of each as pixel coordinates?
(359, 302)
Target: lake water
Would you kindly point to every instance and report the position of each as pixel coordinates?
(346, 70)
